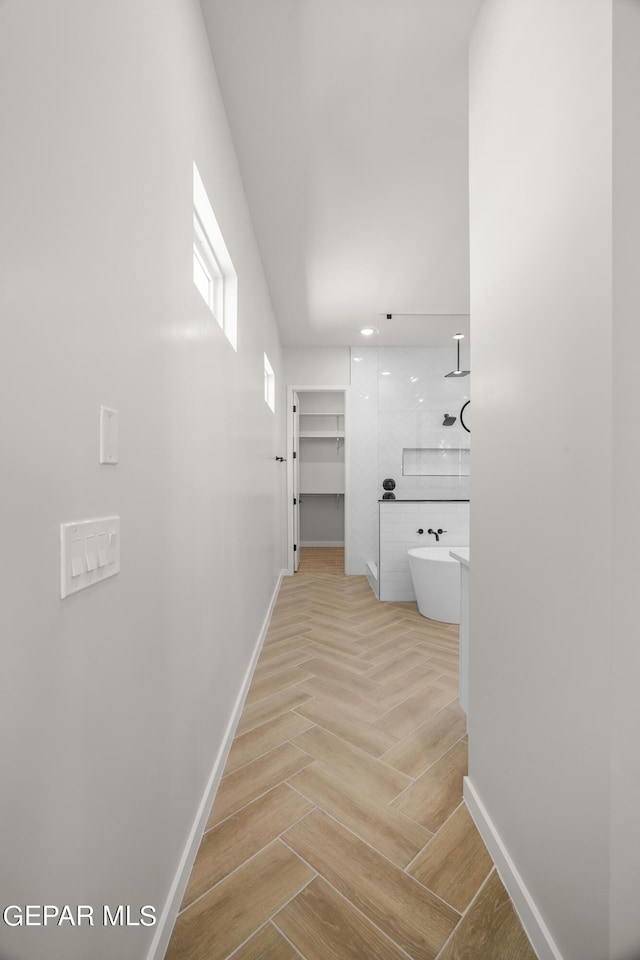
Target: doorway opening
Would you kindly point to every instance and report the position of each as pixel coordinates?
(318, 468)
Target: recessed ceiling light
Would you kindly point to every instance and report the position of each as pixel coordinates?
(357, 359)
(367, 331)
(386, 373)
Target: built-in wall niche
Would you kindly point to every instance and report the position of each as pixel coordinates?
(435, 462)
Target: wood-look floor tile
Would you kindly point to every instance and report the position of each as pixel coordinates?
(436, 794)
(378, 614)
(353, 765)
(491, 928)
(282, 646)
(427, 743)
(230, 843)
(238, 789)
(397, 665)
(431, 631)
(346, 661)
(387, 651)
(336, 629)
(447, 682)
(351, 703)
(267, 686)
(401, 907)
(267, 944)
(293, 658)
(282, 616)
(416, 710)
(290, 631)
(456, 862)
(444, 665)
(345, 642)
(229, 914)
(264, 738)
(335, 673)
(357, 732)
(390, 694)
(448, 653)
(392, 834)
(378, 636)
(324, 926)
(258, 713)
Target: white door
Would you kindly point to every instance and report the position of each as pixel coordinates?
(295, 433)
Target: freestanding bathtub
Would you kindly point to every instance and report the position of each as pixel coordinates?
(436, 581)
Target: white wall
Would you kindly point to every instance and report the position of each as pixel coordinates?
(316, 366)
(541, 308)
(115, 702)
(625, 761)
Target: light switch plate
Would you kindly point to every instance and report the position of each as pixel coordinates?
(109, 447)
(89, 553)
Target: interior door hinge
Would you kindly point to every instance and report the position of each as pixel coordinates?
(295, 547)
(295, 500)
(294, 408)
(294, 455)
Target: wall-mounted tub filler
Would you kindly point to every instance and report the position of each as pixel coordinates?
(437, 533)
(436, 581)
(448, 420)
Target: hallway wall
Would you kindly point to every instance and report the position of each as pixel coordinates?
(554, 467)
(114, 703)
(624, 918)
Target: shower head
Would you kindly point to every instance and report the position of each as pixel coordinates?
(458, 372)
(448, 421)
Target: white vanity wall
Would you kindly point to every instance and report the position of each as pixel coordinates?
(399, 522)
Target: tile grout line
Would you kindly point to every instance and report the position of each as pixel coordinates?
(369, 756)
(262, 755)
(433, 837)
(376, 851)
(465, 912)
(428, 767)
(353, 745)
(259, 796)
(248, 860)
(426, 771)
(402, 702)
(346, 900)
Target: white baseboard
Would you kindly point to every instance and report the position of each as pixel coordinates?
(532, 921)
(169, 912)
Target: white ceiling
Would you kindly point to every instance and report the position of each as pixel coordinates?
(349, 119)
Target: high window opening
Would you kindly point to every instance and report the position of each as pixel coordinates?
(269, 384)
(213, 272)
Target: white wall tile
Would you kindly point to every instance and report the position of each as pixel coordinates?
(389, 414)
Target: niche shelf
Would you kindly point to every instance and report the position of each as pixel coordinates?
(435, 462)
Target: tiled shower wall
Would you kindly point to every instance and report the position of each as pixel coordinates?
(399, 397)
(399, 525)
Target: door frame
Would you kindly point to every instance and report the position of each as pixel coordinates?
(313, 388)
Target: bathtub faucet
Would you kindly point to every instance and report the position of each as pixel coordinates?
(437, 533)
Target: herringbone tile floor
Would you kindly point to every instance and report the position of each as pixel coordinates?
(339, 830)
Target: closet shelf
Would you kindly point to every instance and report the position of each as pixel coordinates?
(322, 493)
(315, 434)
